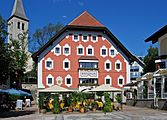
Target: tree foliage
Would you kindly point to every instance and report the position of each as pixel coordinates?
(149, 59)
(42, 35)
(18, 58)
(4, 56)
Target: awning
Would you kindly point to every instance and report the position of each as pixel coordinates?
(160, 72)
(145, 77)
(131, 84)
(56, 88)
(106, 88)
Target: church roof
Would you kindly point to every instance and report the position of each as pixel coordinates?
(85, 19)
(18, 11)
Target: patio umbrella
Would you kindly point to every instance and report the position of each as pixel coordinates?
(24, 93)
(2, 91)
(13, 91)
(106, 88)
(56, 88)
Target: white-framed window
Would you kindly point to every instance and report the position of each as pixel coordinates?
(94, 38)
(80, 50)
(85, 38)
(120, 80)
(118, 65)
(112, 52)
(66, 64)
(57, 50)
(103, 51)
(50, 80)
(68, 80)
(66, 50)
(75, 37)
(90, 51)
(108, 80)
(107, 65)
(49, 63)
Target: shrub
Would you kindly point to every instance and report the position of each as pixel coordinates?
(56, 107)
(107, 104)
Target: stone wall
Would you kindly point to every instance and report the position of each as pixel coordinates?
(149, 103)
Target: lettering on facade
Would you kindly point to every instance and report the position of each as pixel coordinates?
(88, 73)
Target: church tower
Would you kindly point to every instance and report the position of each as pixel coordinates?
(18, 23)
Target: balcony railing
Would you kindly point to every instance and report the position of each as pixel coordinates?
(88, 84)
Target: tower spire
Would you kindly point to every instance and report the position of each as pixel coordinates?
(18, 10)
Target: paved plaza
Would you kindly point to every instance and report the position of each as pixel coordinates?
(129, 113)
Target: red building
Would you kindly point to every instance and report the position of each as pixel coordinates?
(82, 55)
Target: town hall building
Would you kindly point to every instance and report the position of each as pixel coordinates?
(83, 55)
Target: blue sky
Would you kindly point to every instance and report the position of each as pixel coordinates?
(131, 21)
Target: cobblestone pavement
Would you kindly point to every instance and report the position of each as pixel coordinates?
(128, 113)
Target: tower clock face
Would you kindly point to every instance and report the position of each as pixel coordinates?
(20, 36)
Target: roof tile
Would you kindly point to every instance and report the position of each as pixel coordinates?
(85, 19)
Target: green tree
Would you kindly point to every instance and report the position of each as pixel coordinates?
(42, 35)
(4, 56)
(149, 59)
(18, 59)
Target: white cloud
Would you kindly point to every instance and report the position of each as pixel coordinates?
(80, 3)
(64, 16)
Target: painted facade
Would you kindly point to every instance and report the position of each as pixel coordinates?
(83, 55)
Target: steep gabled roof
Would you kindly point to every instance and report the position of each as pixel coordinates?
(82, 27)
(154, 37)
(18, 11)
(85, 19)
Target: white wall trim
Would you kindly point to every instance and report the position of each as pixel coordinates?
(90, 47)
(121, 77)
(108, 77)
(118, 62)
(80, 46)
(105, 48)
(83, 37)
(94, 40)
(115, 52)
(88, 61)
(50, 76)
(57, 46)
(40, 82)
(66, 46)
(75, 40)
(66, 60)
(107, 61)
(49, 60)
(68, 76)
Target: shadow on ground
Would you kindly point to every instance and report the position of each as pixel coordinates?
(16, 113)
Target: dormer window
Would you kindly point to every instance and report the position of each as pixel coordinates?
(75, 37)
(85, 38)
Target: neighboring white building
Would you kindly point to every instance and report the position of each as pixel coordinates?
(136, 69)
